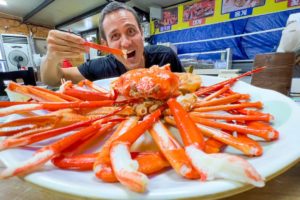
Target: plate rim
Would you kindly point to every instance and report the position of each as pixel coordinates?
(235, 187)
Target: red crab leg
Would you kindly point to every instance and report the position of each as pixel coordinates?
(34, 93)
(19, 108)
(217, 93)
(211, 166)
(149, 162)
(229, 81)
(91, 85)
(102, 166)
(12, 103)
(172, 151)
(246, 139)
(87, 95)
(225, 100)
(16, 142)
(223, 138)
(247, 149)
(188, 131)
(264, 126)
(63, 96)
(86, 142)
(267, 134)
(267, 118)
(254, 112)
(81, 162)
(36, 124)
(105, 48)
(213, 146)
(185, 125)
(25, 124)
(243, 96)
(97, 88)
(48, 152)
(124, 167)
(127, 111)
(258, 105)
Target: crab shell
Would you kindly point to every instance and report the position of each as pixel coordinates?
(154, 83)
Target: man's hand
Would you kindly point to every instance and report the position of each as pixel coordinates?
(63, 45)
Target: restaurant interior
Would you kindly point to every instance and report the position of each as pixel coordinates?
(214, 39)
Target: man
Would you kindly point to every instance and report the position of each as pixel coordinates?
(119, 28)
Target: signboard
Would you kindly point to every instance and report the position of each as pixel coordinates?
(229, 6)
(169, 18)
(292, 3)
(205, 12)
(198, 10)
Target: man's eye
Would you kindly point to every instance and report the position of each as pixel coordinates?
(131, 31)
(115, 37)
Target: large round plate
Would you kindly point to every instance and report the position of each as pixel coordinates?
(278, 156)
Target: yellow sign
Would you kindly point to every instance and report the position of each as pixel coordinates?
(205, 12)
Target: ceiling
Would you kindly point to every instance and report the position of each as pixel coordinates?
(74, 15)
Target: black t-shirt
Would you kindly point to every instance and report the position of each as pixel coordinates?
(109, 66)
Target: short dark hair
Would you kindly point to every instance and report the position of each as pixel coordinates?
(111, 7)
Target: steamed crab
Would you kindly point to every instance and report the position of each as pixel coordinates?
(141, 100)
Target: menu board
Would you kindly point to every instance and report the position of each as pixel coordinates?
(229, 6)
(292, 3)
(196, 12)
(169, 18)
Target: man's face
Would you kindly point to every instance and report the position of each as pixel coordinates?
(122, 32)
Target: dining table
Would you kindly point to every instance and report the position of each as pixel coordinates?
(282, 187)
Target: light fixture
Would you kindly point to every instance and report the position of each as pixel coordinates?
(3, 2)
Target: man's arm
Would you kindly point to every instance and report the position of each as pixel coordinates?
(52, 73)
(61, 45)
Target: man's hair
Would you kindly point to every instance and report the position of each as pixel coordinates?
(112, 7)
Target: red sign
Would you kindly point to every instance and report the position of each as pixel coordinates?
(292, 3)
(197, 22)
(198, 10)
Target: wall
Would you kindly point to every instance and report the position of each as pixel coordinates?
(206, 12)
(256, 32)
(13, 25)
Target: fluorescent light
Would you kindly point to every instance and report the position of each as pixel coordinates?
(3, 2)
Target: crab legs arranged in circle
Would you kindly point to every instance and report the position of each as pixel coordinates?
(207, 118)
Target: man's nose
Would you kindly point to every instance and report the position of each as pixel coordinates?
(125, 42)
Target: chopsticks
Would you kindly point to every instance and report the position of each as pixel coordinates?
(106, 49)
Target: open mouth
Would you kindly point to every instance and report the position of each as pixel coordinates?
(130, 54)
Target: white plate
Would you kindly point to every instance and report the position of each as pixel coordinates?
(277, 157)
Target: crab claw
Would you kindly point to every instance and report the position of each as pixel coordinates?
(211, 166)
(172, 151)
(102, 165)
(126, 169)
(222, 165)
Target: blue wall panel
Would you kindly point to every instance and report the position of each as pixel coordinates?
(245, 47)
